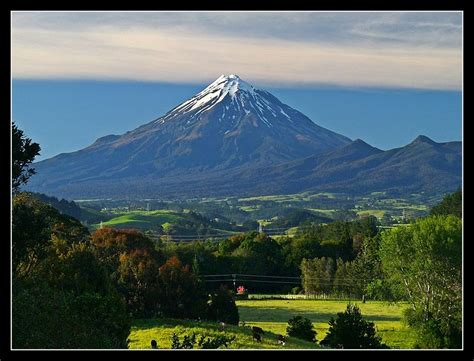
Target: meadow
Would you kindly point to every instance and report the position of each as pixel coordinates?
(272, 316)
(161, 330)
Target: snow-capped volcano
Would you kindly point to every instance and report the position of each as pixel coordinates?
(242, 96)
(229, 124)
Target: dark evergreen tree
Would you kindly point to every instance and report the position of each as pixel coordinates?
(350, 330)
(24, 152)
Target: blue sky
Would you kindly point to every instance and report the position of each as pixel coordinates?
(384, 77)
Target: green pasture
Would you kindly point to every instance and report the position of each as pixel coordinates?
(273, 315)
(142, 219)
(161, 330)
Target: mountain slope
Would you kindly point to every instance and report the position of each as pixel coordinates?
(421, 166)
(230, 124)
(234, 139)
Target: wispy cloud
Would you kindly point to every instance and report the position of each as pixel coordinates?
(414, 50)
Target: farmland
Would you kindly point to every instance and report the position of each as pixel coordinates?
(161, 330)
(272, 316)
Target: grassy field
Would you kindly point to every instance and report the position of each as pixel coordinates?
(273, 315)
(161, 330)
(142, 219)
(372, 212)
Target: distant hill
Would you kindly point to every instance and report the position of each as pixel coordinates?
(234, 139)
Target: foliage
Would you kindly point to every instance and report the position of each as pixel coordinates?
(63, 206)
(23, 154)
(34, 224)
(423, 263)
(216, 342)
(180, 293)
(221, 307)
(137, 281)
(450, 205)
(204, 342)
(317, 275)
(67, 301)
(188, 341)
(301, 328)
(350, 330)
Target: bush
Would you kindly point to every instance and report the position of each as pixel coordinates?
(296, 290)
(221, 307)
(67, 301)
(46, 317)
(301, 328)
(204, 342)
(350, 330)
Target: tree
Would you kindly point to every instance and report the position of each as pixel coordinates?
(23, 154)
(350, 330)
(136, 279)
(451, 204)
(180, 293)
(221, 307)
(67, 301)
(423, 262)
(301, 328)
(34, 225)
(317, 275)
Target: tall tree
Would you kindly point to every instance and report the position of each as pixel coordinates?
(451, 204)
(423, 261)
(24, 152)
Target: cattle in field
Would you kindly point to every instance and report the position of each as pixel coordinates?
(256, 329)
(222, 326)
(257, 333)
(257, 337)
(281, 340)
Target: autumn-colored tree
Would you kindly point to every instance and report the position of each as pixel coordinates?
(111, 243)
(137, 280)
(180, 293)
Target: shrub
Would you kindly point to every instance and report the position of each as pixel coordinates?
(221, 307)
(301, 328)
(296, 290)
(350, 330)
(67, 301)
(204, 342)
(216, 342)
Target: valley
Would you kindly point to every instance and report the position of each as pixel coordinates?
(222, 217)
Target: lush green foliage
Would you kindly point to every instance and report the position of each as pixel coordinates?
(451, 204)
(301, 327)
(34, 225)
(67, 301)
(423, 263)
(23, 154)
(189, 341)
(350, 330)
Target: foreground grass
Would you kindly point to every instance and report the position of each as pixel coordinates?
(161, 330)
(273, 315)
